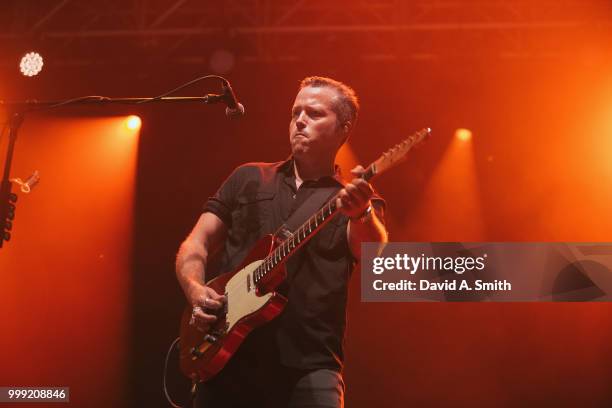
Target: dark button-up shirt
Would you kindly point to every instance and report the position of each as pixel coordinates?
(257, 199)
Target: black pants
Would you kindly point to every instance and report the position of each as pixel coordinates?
(280, 387)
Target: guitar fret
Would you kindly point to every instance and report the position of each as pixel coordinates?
(286, 247)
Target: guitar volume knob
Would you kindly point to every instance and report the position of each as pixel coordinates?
(210, 338)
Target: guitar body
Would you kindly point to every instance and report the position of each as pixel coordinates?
(202, 355)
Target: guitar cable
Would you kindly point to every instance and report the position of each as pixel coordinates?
(164, 385)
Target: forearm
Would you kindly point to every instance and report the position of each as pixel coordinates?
(206, 238)
(191, 260)
(191, 265)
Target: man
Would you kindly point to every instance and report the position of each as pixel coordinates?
(295, 360)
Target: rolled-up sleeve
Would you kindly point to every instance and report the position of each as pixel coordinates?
(224, 201)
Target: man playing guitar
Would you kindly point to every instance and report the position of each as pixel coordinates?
(296, 359)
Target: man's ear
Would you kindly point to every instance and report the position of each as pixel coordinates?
(346, 129)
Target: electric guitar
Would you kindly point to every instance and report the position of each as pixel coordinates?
(250, 294)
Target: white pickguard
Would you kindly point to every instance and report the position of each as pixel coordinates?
(240, 300)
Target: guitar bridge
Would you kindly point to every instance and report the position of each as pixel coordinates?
(209, 339)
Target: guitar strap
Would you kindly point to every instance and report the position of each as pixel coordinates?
(299, 216)
(305, 211)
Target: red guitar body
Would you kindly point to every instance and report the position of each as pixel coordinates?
(202, 355)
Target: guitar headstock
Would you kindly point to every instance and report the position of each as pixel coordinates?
(394, 155)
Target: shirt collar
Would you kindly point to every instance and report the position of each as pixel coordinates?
(286, 167)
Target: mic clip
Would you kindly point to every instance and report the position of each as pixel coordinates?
(213, 98)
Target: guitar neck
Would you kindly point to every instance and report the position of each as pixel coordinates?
(304, 233)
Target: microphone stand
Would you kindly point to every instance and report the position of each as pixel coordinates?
(16, 115)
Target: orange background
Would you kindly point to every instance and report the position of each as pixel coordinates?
(66, 272)
(538, 100)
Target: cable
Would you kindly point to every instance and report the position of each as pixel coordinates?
(183, 86)
(175, 342)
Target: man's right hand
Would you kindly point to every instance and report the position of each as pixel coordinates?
(204, 300)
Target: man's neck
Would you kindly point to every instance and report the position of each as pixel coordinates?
(311, 171)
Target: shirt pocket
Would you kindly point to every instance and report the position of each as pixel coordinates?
(252, 213)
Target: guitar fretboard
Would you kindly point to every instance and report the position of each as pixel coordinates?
(309, 228)
(297, 238)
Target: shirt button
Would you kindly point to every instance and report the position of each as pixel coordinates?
(293, 196)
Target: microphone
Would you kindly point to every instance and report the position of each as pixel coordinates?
(234, 108)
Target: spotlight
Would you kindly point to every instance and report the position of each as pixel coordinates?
(463, 134)
(31, 64)
(133, 122)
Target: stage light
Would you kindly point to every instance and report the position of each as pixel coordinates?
(31, 64)
(463, 134)
(133, 122)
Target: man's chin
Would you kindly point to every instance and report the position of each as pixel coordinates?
(299, 150)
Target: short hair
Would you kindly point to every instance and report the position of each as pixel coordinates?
(347, 106)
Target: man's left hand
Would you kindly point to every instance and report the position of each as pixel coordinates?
(354, 198)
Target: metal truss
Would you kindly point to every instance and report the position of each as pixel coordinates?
(188, 31)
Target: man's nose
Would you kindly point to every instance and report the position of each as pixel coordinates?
(300, 122)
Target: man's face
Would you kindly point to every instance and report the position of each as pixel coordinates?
(314, 128)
